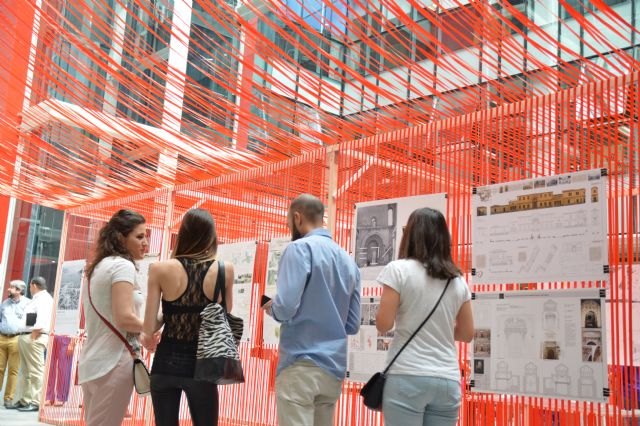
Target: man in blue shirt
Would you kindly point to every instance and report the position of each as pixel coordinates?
(318, 305)
(12, 318)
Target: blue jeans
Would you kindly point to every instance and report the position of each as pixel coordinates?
(420, 401)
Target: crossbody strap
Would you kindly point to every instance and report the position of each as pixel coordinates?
(108, 324)
(419, 328)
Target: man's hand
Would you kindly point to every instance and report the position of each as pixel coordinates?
(267, 308)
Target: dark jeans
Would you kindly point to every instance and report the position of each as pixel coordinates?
(166, 392)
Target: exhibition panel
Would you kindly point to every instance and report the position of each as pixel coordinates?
(517, 119)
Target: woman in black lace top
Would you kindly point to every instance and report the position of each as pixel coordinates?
(185, 285)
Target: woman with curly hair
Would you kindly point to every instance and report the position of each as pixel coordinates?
(105, 367)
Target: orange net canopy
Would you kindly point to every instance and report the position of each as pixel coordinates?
(165, 105)
(109, 98)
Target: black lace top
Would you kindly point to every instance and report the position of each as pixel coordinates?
(176, 353)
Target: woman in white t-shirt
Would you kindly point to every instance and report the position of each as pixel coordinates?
(105, 367)
(423, 386)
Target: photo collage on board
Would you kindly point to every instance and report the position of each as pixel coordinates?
(481, 352)
(591, 323)
(376, 228)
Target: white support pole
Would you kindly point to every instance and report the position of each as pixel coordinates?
(236, 119)
(176, 82)
(110, 101)
(26, 101)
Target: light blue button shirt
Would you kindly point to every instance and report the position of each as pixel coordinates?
(317, 319)
(12, 316)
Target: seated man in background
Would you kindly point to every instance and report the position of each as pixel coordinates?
(11, 322)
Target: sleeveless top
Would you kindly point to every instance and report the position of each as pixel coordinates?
(176, 352)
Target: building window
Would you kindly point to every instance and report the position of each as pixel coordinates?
(458, 28)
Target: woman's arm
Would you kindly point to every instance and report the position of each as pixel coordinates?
(464, 328)
(122, 310)
(389, 302)
(152, 320)
(228, 284)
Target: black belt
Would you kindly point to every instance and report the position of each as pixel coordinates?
(15, 335)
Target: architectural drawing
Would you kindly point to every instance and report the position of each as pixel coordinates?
(547, 229)
(368, 344)
(242, 255)
(68, 307)
(270, 328)
(540, 343)
(142, 272)
(550, 319)
(506, 381)
(376, 235)
(586, 382)
(518, 335)
(531, 382)
(542, 200)
(559, 382)
(378, 228)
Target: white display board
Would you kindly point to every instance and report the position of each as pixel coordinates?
(242, 256)
(378, 228)
(545, 229)
(271, 328)
(549, 343)
(142, 275)
(142, 271)
(68, 305)
(368, 349)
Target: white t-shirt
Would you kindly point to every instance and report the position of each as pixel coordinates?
(433, 351)
(103, 349)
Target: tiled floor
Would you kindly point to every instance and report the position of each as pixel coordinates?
(17, 418)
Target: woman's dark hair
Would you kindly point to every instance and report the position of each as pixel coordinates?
(426, 239)
(110, 243)
(197, 238)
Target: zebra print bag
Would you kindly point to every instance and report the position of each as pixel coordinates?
(217, 358)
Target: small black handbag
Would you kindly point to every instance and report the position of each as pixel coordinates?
(372, 391)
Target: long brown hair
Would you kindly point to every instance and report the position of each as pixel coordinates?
(197, 238)
(426, 239)
(110, 243)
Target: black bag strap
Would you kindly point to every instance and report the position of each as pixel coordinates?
(419, 328)
(221, 286)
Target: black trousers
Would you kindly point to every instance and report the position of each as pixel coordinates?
(166, 392)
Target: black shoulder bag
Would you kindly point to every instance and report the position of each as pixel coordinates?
(372, 391)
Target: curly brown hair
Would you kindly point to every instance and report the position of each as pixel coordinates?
(121, 224)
